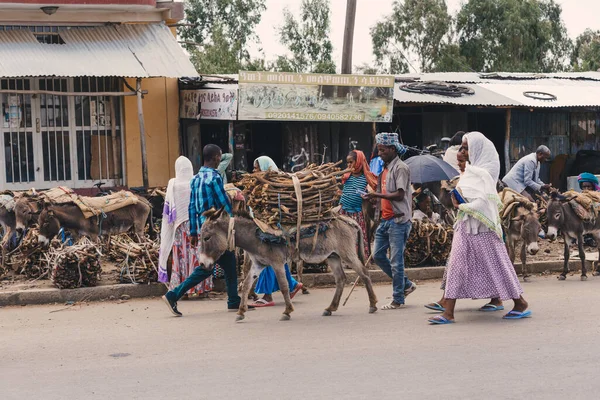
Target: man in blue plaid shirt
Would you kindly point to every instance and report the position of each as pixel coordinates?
(207, 192)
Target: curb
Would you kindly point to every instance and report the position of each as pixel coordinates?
(425, 273)
(49, 296)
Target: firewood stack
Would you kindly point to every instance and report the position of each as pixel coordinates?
(75, 266)
(273, 199)
(138, 259)
(428, 242)
(29, 257)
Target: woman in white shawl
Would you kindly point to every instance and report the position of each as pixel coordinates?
(174, 234)
(479, 266)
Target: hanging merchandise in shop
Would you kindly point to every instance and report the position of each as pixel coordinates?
(315, 97)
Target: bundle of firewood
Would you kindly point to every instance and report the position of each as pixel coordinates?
(76, 265)
(273, 195)
(428, 242)
(138, 258)
(29, 258)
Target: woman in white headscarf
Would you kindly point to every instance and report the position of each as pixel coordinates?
(174, 234)
(479, 266)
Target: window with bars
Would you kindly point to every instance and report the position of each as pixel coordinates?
(50, 137)
(98, 127)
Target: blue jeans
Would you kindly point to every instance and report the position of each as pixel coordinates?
(393, 236)
(227, 262)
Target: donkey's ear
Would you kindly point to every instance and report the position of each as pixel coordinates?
(219, 212)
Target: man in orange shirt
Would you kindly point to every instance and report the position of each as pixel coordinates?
(394, 195)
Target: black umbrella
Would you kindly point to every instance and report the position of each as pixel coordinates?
(427, 168)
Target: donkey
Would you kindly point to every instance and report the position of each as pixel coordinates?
(70, 216)
(7, 221)
(338, 246)
(524, 226)
(561, 217)
(27, 210)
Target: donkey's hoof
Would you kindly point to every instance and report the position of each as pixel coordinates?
(285, 317)
(562, 278)
(327, 313)
(372, 310)
(596, 273)
(239, 318)
(584, 277)
(526, 279)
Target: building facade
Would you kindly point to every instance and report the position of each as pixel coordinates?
(69, 94)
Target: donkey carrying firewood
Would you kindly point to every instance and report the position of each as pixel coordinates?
(524, 226)
(337, 245)
(562, 217)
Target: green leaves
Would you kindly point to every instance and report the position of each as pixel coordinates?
(586, 54)
(485, 35)
(219, 33)
(307, 39)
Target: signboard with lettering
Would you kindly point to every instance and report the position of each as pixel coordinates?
(315, 97)
(208, 104)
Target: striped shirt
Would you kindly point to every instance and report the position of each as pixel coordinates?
(207, 192)
(351, 200)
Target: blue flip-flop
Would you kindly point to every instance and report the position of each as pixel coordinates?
(435, 307)
(440, 320)
(518, 315)
(490, 307)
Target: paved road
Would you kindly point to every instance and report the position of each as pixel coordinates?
(136, 350)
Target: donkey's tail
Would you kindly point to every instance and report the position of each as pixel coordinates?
(150, 221)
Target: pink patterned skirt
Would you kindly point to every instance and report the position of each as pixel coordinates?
(479, 268)
(185, 261)
(360, 220)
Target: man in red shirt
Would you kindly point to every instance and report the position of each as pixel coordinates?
(394, 195)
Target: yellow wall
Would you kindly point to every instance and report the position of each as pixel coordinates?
(161, 117)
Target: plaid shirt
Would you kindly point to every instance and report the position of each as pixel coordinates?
(207, 192)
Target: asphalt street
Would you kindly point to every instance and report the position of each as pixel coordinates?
(137, 350)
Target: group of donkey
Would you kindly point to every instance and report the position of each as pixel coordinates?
(29, 209)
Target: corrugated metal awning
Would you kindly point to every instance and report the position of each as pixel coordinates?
(511, 93)
(137, 51)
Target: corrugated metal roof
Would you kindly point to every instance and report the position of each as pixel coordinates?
(476, 77)
(140, 51)
(574, 91)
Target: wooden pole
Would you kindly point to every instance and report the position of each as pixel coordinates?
(230, 137)
(138, 86)
(507, 142)
(113, 134)
(348, 37)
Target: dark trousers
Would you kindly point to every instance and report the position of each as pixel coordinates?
(227, 262)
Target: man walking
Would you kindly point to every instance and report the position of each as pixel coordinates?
(524, 177)
(394, 195)
(207, 192)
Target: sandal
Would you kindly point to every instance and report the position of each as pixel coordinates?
(440, 320)
(518, 314)
(298, 288)
(490, 307)
(263, 303)
(393, 306)
(435, 307)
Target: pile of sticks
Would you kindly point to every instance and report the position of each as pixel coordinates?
(279, 197)
(428, 243)
(75, 266)
(138, 258)
(30, 257)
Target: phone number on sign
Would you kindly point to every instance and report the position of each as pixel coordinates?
(315, 116)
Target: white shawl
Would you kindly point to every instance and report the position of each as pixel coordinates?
(478, 187)
(175, 212)
(450, 156)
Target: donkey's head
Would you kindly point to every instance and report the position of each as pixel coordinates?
(49, 225)
(556, 215)
(212, 242)
(529, 229)
(27, 209)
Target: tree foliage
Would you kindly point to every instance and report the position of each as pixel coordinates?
(586, 54)
(218, 32)
(415, 27)
(307, 39)
(513, 35)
